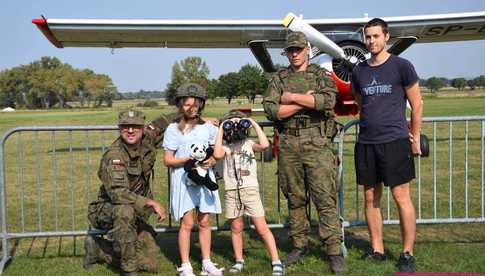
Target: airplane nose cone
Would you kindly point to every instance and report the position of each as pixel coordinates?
(353, 59)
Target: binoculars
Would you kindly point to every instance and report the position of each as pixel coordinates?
(242, 124)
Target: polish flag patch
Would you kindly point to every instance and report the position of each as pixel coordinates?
(116, 162)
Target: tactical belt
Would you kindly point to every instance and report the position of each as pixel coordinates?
(303, 122)
(310, 131)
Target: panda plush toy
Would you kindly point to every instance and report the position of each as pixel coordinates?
(196, 174)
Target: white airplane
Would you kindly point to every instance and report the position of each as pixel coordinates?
(337, 44)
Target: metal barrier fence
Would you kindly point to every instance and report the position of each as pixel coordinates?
(48, 177)
(449, 184)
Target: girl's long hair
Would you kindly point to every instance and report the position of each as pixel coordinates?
(200, 103)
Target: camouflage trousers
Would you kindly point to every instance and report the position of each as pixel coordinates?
(307, 168)
(131, 243)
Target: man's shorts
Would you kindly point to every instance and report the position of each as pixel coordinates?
(248, 203)
(391, 163)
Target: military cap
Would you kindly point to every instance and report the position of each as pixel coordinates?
(233, 114)
(131, 117)
(296, 39)
(191, 90)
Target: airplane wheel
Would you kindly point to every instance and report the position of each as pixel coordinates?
(424, 144)
(268, 153)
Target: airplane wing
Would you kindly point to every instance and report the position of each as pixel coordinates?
(116, 33)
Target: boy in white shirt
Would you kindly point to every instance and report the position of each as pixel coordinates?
(241, 195)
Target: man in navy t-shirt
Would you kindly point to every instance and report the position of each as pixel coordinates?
(385, 147)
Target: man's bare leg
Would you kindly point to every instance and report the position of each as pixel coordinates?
(373, 216)
(407, 216)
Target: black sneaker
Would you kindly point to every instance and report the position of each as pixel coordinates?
(295, 256)
(372, 255)
(406, 262)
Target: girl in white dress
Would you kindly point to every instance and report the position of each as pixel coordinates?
(185, 197)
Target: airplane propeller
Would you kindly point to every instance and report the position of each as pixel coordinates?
(315, 37)
(345, 58)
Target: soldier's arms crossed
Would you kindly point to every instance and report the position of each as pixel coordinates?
(306, 100)
(271, 100)
(287, 110)
(326, 95)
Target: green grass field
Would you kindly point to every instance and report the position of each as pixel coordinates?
(453, 247)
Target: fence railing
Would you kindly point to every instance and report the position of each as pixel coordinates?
(449, 184)
(48, 176)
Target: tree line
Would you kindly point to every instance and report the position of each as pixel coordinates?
(48, 83)
(436, 83)
(248, 81)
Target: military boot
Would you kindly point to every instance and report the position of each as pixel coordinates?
(295, 255)
(92, 252)
(337, 264)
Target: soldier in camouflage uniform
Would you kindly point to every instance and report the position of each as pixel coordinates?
(300, 101)
(124, 201)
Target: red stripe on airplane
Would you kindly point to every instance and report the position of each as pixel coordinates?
(41, 23)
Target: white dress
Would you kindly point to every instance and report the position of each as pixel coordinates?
(183, 195)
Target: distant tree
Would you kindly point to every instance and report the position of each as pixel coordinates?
(43, 85)
(148, 103)
(481, 81)
(458, 83)
(7, 93)
(211, 89)
(473, 83)
(83, 93)
(252, 81)
(446, 81)
(227, 86)
(14, 85)
(423, 82)
(101, 89)
(48, 82)
(278, 66)
(434, 84)
(191, 69)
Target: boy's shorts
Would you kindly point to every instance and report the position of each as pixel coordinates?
(249, 204)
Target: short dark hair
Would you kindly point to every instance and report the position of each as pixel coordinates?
(377, 22)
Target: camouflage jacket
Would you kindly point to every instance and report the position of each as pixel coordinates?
(313, 78)
(126, 172)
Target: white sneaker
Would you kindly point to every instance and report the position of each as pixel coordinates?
(209, 269)
(278, 269)
(237, 267)
(185, 271)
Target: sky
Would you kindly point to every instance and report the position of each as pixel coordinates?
(150, 69)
